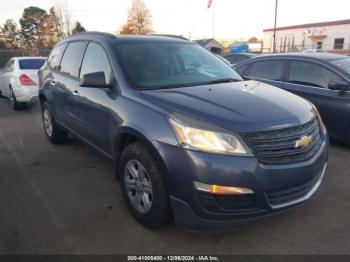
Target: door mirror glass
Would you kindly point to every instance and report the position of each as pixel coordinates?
(339, 86)
(95, 80)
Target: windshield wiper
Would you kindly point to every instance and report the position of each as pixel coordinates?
(223, 80)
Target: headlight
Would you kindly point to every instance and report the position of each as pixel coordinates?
(319, 118)
(196, 138)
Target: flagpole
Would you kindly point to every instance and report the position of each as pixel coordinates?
(275, 29)
(213, 19)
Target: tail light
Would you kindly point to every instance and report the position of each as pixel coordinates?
(26, 80)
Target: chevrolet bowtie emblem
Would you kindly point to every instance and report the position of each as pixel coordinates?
(304, 142)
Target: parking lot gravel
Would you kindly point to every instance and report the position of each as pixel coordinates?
(65, 200)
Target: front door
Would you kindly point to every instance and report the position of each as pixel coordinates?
(310, 80)
(93, 104)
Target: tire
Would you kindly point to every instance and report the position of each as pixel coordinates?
(53, 132)
(151, 187)
(14, 104)
(1, 95)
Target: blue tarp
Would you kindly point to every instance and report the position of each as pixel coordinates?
(243, 48)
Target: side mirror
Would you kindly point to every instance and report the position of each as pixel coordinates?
(94, 80)
(339, 86)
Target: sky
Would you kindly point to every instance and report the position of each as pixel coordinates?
(226, 19)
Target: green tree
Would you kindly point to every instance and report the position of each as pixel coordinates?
(31, 26)
(10, 34)
(78, 28)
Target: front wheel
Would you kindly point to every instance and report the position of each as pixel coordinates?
(52, 131)
(143, 187)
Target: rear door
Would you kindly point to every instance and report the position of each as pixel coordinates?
(66, 83)
(310, 80)
(270, 71)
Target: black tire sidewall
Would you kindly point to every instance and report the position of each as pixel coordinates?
(58, 136)
(159, 214)
(14, 105)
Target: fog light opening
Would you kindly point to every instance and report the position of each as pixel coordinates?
(222, 190)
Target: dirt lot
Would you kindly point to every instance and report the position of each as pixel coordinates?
(65, 200)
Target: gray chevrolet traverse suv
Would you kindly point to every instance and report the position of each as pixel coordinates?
(191, 140)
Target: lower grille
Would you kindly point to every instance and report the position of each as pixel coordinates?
(279, 146)
(232, 204)
(287, 195)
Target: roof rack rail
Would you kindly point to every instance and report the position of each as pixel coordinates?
(173, 36)
(96, 33)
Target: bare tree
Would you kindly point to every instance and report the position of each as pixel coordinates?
(64, 15)
(139, 19)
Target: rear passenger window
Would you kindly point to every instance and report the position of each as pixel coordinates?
(95, 60)
(55, 56)
(310, 74)
(71, 59)
(271, 70)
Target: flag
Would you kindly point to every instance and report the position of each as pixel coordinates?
(210, 3)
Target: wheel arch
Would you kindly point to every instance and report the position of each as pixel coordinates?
(127, 135)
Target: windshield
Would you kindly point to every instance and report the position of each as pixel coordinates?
(343, 63)
(30, 64)
(169, 65)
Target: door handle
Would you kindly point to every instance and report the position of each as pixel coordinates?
(75, 93)
(53, 83)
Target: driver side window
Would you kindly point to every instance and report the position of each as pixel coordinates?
(95, 60)
(310, 74)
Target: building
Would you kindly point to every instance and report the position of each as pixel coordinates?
(210, 44)
(331, 36)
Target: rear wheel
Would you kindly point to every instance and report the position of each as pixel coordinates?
(1, 95)
(52, 131)
(14, 104)
(143, 187)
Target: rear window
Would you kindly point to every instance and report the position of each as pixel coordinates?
(31, 64)
(268, 69)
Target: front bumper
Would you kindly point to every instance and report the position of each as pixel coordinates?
(276, 188)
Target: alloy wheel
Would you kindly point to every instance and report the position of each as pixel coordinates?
(138, 186)
(47, 122)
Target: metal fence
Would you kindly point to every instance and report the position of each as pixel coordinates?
(6, 54)
(286, 48)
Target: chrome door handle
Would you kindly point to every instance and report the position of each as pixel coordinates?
(75, 93)
(53, 83)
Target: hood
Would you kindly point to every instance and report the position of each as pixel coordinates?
(241, 106)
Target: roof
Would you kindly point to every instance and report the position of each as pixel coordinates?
(127, 38)
(312, 56)
(28, 57)
(331, 23)
(204, 42)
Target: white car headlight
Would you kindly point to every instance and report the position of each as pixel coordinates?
(195, 138)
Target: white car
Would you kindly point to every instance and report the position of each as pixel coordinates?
(314, 51)
(19, 80)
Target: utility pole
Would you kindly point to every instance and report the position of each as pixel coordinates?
(274, 28)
